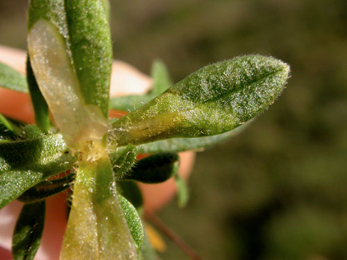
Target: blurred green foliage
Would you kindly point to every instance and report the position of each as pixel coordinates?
(278, 190)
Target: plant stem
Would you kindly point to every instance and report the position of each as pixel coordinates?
(177, 240)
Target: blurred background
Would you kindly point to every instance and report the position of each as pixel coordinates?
(279, 189)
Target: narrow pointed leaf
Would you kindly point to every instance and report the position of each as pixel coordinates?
(46, 189)
(12, 79)
(28, 231)
(38, 101)
(213, 100)
(8, 130)
(134, 222)
(155, 168)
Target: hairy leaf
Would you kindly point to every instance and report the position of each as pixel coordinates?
(123, 160)
(46, 189)
(155, 168)
(11, 79)
(213, 100)
(23, 164)
(90, 39)
(28, 231)
(134, 222)
(184, 144)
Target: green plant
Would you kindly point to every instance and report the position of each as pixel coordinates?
(68, 73)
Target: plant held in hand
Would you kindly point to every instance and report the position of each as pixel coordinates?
(68, 74)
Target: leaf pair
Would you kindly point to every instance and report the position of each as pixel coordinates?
(70, 52)
(11, 79)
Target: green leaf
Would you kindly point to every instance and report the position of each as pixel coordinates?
(161, 82)
(19, 154)
(39, 103)
(129, 103)
(31, 132)
(213, 100)
(11, 79)
(23, 164)
(155, 168)
(182, 190)
(123, 160)
(96, 228)
(134, 222)
(70, 53)
(46, 189)
(107, 8)
(91, 49)
(49, 10)
(28, 231)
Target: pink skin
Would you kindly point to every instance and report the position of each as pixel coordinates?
(125, 80)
